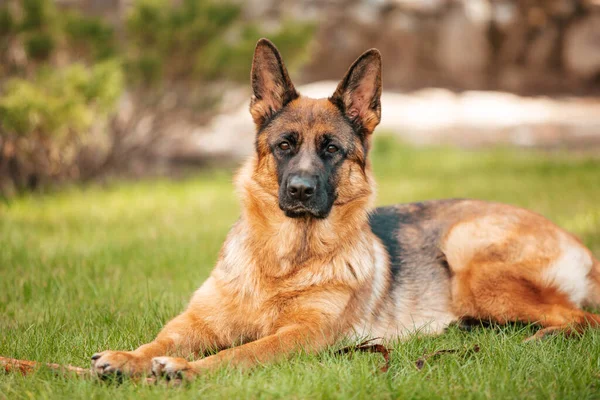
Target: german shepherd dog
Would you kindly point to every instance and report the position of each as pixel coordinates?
(310, 261)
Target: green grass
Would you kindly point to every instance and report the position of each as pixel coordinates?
(96, 268)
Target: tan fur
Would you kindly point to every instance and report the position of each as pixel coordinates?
(283, 284)
(501, 255)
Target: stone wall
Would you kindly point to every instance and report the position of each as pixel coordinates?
(525, 46)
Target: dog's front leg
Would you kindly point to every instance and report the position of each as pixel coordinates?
(285, 342)
(185, 335)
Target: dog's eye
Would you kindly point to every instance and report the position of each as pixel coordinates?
(284, 146)
(332, 149)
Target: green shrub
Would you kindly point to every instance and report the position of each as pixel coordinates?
(223, 59)
(146, 69)
(91, 35)
(200, 40)
(39, 46)
(7, 22)
(45, 121)
(37, 14)
(147, 24)
(39, 28)
(176, 34)
(59, 101)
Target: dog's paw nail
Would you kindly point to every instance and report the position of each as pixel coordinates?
(158, 361)
(168, 368)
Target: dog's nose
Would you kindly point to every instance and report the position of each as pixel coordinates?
(301, 187)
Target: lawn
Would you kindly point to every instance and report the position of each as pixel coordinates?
(104, 267)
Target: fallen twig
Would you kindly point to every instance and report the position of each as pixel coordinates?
(420, 363)
(370, 348)
(25, 367)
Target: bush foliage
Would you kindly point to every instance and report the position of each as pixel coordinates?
(62, 71)
(56, 102)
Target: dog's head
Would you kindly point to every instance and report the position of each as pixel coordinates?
(312, 153)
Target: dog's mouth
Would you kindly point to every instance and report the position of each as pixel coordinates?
(299, 211)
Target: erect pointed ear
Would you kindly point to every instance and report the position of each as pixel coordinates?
(271, 85)
(358, 95)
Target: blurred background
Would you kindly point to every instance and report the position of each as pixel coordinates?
(91, 89)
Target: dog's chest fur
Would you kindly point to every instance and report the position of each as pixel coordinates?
(252, 300)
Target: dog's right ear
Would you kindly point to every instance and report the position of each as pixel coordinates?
(271, 85)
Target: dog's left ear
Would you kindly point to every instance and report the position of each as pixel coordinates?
(358, 95)
(271, 85)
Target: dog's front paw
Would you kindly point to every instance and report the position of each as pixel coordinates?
(119, 363)
(172, 368)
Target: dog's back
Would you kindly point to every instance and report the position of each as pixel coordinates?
(451, 259)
